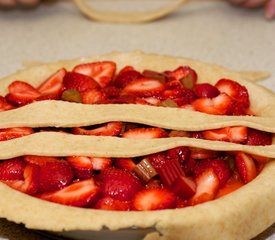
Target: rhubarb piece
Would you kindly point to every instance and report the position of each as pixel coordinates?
(169, 103)
(145, 170)
(155, 75)
(71, 95)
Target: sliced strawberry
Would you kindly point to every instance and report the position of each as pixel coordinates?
(154, 183)
(246, 167)
(125, 163)
(109, 203)
(258, 138)
(78, 194)
(183, 187)
(53, 86)
(232, 185)
(189, 166)
(207, 187)
(101, 72)
(111, 92)
(142, 133)
(177, 133)
(21, 93)
(54, 176)
(108, 129)
(228, 134)
(30, 183)
(12, 169)
(186, 75)
(144, 87)
(82, 166)
(220, 105)
(199, 153)
(182, 154)
(101, 163)
(119, 184)
(79, 82)
(154, 199)
(125, 76)
(4, 105)
(151, 101)
(234, 90)
(206, 90)
(93, 96)
(220, 167)
(10, 133)
(39, 160)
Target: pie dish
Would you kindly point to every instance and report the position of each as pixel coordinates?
(241, 214)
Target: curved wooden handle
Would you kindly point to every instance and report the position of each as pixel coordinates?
(127, 17)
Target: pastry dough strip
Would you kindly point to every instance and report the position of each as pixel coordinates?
(66, 114)
(63, 144)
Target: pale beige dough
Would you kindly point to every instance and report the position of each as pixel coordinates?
(240, 215)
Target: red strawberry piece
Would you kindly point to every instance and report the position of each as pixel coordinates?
(111, 92)
(93, 96)
(234, 90)
(220, 105)
(186, 75)
(53, 86)
(246, 167)
(231, 185)
(199, 153)
(143, 133)
(54, 176)
(12, 169)
(207, 187)
(220, 167)
(10, 133)
(258, 138)
(206, 90)
(125, 163)
(101, 163)
(108, 129)
(182, 154)
(155, 75)
(82, 166)
(154, 199)
(228, 134)
(4, 105)
(189, 166)
(39, 160)
(125, 76)
(79, 82)
(78, 194)
(21, 93)
(30, 183)
(101, 72)
(109, 203)
(154, 183)
(119, 184)
(144, 87)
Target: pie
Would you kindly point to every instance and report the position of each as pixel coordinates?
(142, 141)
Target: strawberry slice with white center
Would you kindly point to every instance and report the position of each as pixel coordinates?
(228, 134)
(101, 163)
(125, 163)
(4, 105)
(78, 194)
(234, 90)
(154, 199)
(108, 129)
(220, 105)
(207, 187)
(30, 184)
(109, 203)
(21, 93)
(101, 72)
(144, 133)
(125, 76)
(53, 86)
(10, 133)
(82, 166)
(199, 153)
(144, 87)
(246, 167)
(39, 160)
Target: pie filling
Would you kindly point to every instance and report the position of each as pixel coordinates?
(175, 178)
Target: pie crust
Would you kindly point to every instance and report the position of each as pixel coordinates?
(242, 214)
